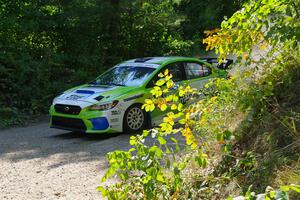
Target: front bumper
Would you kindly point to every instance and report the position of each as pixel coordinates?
(86, 121)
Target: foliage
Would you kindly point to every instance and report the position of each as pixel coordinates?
(203, 124)
(204, 15)
(271, 194)
(272, 29)
(222, 129)
(153, 171)
(261, 23)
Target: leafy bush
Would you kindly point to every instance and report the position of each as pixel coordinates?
(221, 130)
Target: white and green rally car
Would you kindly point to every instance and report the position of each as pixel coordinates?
(112, 102)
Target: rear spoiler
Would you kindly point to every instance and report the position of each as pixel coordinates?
(214, 61)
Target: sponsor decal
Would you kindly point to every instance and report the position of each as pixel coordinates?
(133, 97)
(85, 92)
(115, 112)
(114, 120)
(73, 97)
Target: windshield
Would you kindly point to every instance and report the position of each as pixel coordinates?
(124, 76)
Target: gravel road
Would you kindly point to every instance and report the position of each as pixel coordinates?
(37, 162)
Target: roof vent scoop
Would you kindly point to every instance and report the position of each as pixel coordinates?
(99, 98)
(141, 60)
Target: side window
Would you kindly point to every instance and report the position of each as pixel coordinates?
(196, 70)
(176, 69)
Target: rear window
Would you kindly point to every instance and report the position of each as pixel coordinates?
(196, 70)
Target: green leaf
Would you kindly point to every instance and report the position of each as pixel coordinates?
(160, 178)
(161, 140)
(287, 188)
(279, 194)
(174, 140)
(219, 137)
(296, 188)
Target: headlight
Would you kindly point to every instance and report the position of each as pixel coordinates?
(105, 106)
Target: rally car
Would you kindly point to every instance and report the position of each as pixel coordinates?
(112, 102)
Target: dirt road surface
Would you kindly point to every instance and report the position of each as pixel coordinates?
(37, 162)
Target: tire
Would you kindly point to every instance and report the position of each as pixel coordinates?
(135, 119)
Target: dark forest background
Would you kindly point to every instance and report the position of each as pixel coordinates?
(47, 46)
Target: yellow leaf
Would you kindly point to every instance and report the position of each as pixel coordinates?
(149, 105)
(166, 127)
(166, 90)
(180, 105)
(160, 82)
(169, 77)
(173, 107)
(169, 97)
(245, 56)
(214, 98)
(147, 108)
(169, 119)
(163, 107)
(181, 93)
(175, 98)
(152, 107)
(166, 72)
(148, 101)
(187, 116)
(170, 84)
(156, 91)
(194, 145)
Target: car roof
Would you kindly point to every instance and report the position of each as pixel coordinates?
(157, 61)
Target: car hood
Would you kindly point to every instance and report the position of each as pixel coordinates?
(90, 94)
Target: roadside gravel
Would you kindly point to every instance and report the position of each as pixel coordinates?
(37, 162)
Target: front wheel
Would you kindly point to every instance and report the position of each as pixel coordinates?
(134, 119)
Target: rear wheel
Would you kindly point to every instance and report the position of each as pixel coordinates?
(134, 119)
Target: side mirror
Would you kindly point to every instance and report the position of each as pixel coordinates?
(214, 62)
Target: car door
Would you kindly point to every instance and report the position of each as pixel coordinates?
(177, 70)
(197, 74)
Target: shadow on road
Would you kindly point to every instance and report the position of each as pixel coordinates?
(84, 136)
(57, 146)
